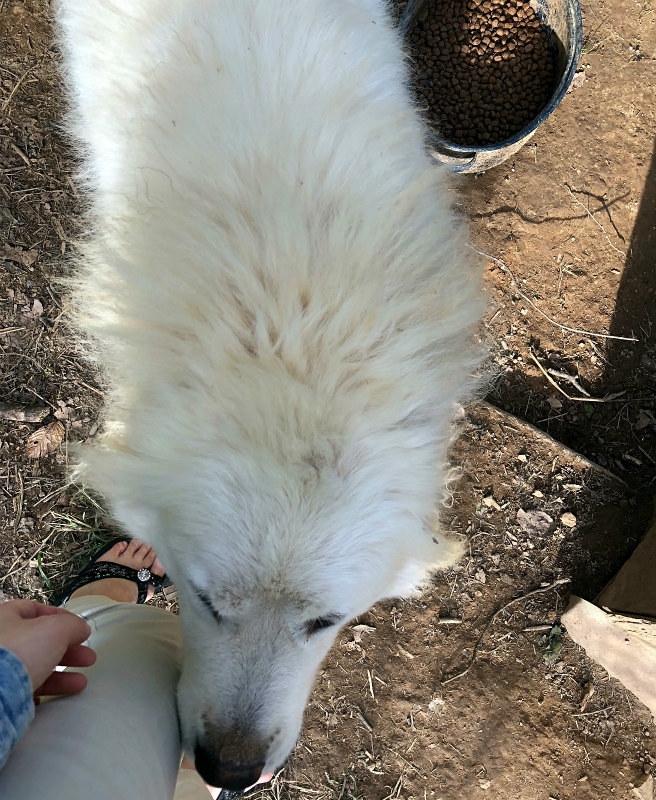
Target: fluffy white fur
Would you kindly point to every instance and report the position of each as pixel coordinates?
(282, 303)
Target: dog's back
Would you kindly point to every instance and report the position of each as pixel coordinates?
(261, 192)
(281, 299)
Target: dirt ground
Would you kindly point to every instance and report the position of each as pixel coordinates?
(569, 430)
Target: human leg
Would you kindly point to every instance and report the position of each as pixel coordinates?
(118, 739)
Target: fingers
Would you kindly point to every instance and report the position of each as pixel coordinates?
(51, 611)
(29, 609)
(23, 609)
(62, 683)
(78, 656)
(66, 629)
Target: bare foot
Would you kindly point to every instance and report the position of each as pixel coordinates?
(134, 554)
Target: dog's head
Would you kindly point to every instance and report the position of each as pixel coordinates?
(276, 533)
(270, 561)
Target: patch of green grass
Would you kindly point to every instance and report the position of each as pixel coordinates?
(73, 536)
(343, 788)
(553, 646)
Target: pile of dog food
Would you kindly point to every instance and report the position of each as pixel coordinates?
(483, 68)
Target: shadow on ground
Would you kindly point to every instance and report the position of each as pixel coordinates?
(635, 306)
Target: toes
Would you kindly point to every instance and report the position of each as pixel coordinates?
(140, 553)
(157, 568)
(146, 555)
(133, 547)
(115, 552)
(135, 554)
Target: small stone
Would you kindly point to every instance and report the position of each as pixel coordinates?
(568, 519)
(435, 704)
(490, 502)
(643, 787)
(535, 522)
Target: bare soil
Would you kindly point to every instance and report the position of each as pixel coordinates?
(568, 430)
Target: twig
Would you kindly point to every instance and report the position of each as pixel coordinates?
(87, 386)
(592, 713)
(19, 152)
(539, 590)
(505, 268)
(595, 220)
(13, 571)
(610, 399)
(453, 747)
(15, 89)
(559, 373)
(21, 495)
(359, 714)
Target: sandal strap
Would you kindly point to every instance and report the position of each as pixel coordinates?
(101, 570)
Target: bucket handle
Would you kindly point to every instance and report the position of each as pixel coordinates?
(456, 161)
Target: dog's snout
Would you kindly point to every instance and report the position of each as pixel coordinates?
(233, 775)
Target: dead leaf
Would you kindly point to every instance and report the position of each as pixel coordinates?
(359, 631)
(644, 418)
(20, 414)
(589, 690)
(44, 441)
(20, 256)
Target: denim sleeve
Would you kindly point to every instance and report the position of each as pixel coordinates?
(16, 704)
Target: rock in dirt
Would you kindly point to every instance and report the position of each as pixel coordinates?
(643, 787)
(535, 523)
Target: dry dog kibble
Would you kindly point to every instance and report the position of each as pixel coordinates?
(483, 70)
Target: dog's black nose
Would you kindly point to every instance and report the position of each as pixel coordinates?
(230, 775)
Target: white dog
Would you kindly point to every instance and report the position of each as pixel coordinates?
(282, 303)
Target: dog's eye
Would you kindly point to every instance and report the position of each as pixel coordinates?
(316, 625)
(205, 600)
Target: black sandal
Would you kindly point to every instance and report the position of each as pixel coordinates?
(229, 794)
(95, 571)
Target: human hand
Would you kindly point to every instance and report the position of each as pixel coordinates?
(44, 637)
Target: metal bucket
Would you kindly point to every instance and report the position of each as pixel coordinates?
(563, 18)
